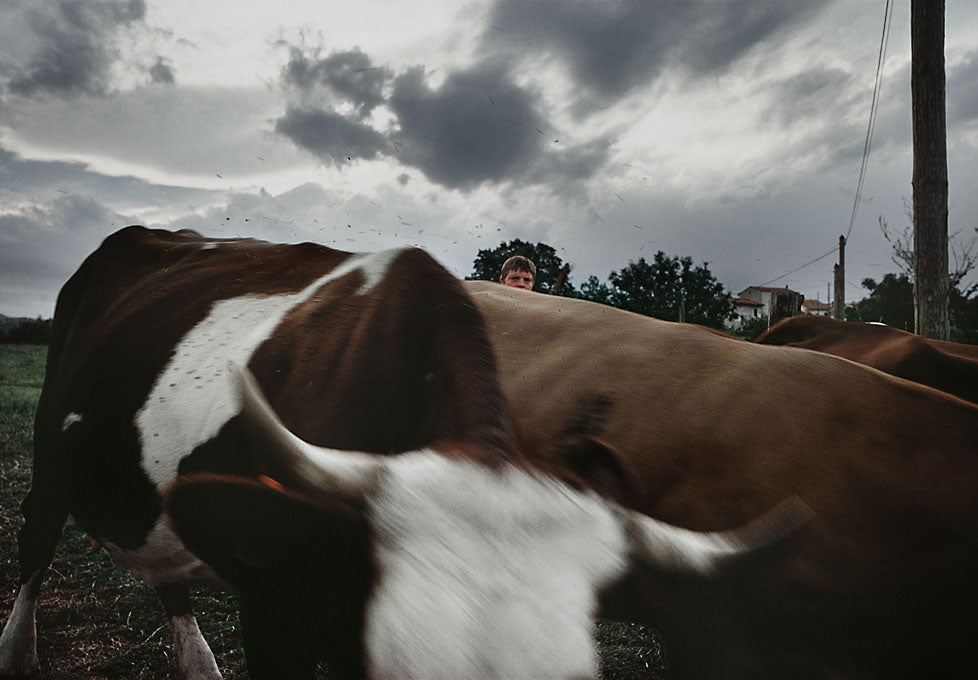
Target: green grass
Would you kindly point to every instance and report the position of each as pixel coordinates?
(21, 375)
(95, 621)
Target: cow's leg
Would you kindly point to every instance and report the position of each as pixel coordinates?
(194, 658)
(18, 644)
(43, 521)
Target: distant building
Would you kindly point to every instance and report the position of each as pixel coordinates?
(777, 303)
(816, 307)
(745, 310)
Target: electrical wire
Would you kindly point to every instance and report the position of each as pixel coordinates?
(873, 109)
(867, 145)
(799, 268)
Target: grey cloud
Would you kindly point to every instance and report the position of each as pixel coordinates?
(347, 77)
(962, 91)
(66, 217)
(42, 245)
(611, 47)
(808, 94)
(478, 126)
(42, 180)
(330, 136)
(177, 129)
(76, 46)
(571, 165)
(161, 72)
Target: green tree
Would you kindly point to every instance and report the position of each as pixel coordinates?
(669, 288)
(962, 302)
(890, 301)
(31, 331)
(751, 328)
(964, 318)
(595, 290)
(489, 262)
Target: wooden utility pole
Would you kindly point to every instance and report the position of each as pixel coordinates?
(839, 306)
(929, 169)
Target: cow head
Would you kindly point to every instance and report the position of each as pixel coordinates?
(449, 567)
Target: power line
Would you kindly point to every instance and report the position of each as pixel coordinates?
(867, 145)
(873, 109)
(796, 269)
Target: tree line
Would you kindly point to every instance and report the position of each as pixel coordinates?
(27, 331)
(890, 301)
(666, 287)
(672, 288)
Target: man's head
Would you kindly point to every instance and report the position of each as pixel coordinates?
(518, 272)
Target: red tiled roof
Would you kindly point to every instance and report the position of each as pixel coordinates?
(767, 289)
(816, 305)
(745, 301)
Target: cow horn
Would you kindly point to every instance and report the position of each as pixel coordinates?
(675, 549)
(317, 469)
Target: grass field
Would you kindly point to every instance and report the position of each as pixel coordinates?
(97, 622)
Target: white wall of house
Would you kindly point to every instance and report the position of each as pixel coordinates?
(745, 311)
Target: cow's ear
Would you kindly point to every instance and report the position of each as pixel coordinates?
(598, 464)
(267, 541)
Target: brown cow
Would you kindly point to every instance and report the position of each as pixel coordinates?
(711, 430)
(948, 366)
(456, 557)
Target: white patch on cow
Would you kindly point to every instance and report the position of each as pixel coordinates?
(70, 420)
(486, 574)
(194, 397)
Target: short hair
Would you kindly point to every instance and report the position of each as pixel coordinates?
(520, 264)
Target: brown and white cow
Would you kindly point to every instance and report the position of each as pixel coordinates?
(948, 366)
(710, 429)
(455, 558)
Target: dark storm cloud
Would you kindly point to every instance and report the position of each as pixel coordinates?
(478, 126)
(330, 136)
(76, 46)
(572, 164)
(161, 72)
(611, 47)
(347, 76)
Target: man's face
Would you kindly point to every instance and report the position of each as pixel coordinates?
(518, 279)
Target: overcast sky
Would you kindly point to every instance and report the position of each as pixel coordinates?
(730, 131)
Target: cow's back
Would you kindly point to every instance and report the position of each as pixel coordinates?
(948, 366)
(711, 429)
(137, 387)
